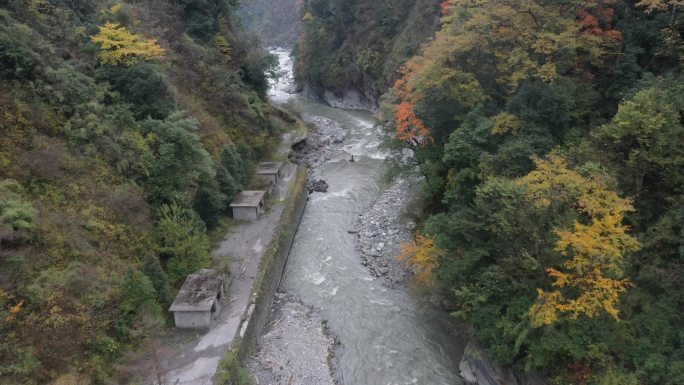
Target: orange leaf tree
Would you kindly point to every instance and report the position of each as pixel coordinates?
(421, 255)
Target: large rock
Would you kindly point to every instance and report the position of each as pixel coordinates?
(343, 99)
(317, 185)
(300, 145)
(349, 100)
(476, 368)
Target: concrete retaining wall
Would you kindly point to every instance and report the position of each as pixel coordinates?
(270, 271)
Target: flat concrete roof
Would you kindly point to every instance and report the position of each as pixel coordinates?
(269, 167)
(248, 199)
(199, 291)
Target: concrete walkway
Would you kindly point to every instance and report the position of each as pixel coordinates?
(194, 357)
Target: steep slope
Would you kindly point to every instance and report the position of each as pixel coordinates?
(126, 129)
(551, 139)
(359, 45)
(275, 22)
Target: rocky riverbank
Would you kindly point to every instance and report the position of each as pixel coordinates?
(477, 368)
(386, 336)
(383, 228)
(297, 348)
(325, 138)
(345, 100)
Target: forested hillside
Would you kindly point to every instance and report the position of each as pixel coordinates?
(126, 128)
(360, 45)
(551, 138)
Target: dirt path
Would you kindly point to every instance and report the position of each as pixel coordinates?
(192, 357)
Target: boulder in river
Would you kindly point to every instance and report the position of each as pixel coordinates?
(318, 185)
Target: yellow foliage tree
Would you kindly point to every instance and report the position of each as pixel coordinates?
(660, 5)
(507, 41)
(118, 46)
(591, 281)
(505, 123)
(421, 255)
(528, 38)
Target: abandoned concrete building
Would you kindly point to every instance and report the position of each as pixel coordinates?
(248, 205)
(198, 302)
(270, 171)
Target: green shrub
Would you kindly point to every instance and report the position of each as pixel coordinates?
(71, 88)
(235, 165)
(22, 52)
(232, 372)
(16, 215)
(160, 280)
(180, 160)
(183, 242)
(138, 307)
(203, 16)
(210, 201)
(144, 87)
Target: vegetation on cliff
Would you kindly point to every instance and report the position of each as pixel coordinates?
(126, 129)
(360, 45)
(551, 138)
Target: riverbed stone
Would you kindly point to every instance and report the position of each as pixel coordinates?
(296, 349)
(382, 230)
(318, 186)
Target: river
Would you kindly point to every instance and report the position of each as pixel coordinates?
(387, 336)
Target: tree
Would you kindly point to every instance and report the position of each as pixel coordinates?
(144, 87)
(180, 160)
(235, 165)
(436, 91)
(486, 47)
(409, 127)
(463, 152)
(209, 200)
(643, 141)
(660, 5)
(160, 280)
(594, 247)
(183, 242)
(421, 255)
(203, 16)
(118, 46)
(138, 302)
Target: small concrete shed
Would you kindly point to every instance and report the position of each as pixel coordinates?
(248, 205)
(270, 171)
(198, 302)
